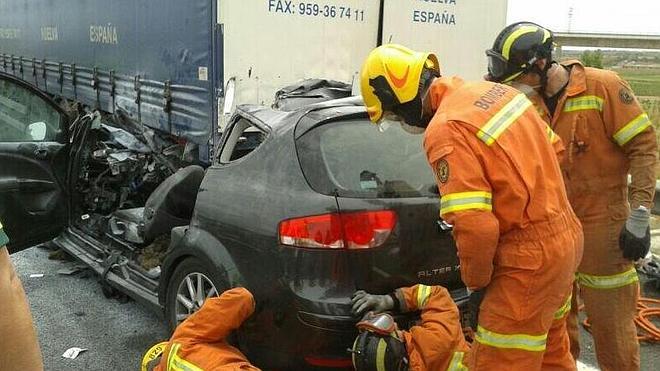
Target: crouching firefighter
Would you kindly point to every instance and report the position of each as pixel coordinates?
(496, 165)
(199, 342)
(437, 343)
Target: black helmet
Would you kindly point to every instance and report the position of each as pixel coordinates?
(375, 349)
(516, 49)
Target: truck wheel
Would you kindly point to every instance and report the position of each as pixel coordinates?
(192, 282)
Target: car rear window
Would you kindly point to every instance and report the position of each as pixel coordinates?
(354, 159)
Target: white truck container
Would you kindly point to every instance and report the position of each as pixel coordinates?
(272, 43)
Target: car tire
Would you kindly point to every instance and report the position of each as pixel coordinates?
(190, 270)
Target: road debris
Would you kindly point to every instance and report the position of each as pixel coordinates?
(72, 353)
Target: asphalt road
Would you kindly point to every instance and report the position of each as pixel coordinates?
(71, 311)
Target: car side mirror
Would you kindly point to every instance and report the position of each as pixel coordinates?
(37, 131)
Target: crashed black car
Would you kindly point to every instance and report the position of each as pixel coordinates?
(303, 205)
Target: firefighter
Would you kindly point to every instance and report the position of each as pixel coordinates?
(501, 187)
(608, 136)
(20, 348)
(437, 343)
(200, 342)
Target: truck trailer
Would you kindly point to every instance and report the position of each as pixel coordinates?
(166, 63)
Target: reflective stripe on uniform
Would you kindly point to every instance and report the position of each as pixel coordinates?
(634, 127)
(552, 136)
(531, 343)
(456, 363)
(506, 48)
(423, 294)
(478, 200)
(564, 309)
(380, 355)
(176, 363)
(503, 119)
(608, 282)
(174, 348)
(586, 102)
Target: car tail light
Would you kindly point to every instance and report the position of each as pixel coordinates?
(356, 230)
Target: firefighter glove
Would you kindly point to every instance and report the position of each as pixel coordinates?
(364, 302)
(474, 303)
(635, 239)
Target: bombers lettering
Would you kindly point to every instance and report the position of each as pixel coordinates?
(100, 34)
(492, 96)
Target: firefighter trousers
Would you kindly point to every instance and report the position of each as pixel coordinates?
(522, 319)
(609, 286)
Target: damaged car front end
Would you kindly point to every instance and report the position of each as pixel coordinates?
(126, 197)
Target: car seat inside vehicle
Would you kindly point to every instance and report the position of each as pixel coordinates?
(169, 206)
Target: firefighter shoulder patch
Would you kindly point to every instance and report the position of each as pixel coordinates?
(442, 171)
(626, 96)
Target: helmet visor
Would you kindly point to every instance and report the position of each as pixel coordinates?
(497, 66)
(381, 324)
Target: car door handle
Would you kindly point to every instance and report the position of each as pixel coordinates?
(31, 185)
(35, 185)
(8, 184)
(41, 153)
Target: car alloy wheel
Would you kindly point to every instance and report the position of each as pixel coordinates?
(193, 290)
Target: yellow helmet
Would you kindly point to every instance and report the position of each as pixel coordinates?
(392, 76)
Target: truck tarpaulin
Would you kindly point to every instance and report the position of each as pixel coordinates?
(150, 58)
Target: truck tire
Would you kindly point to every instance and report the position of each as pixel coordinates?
(183, 289)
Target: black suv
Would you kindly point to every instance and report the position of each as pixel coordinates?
(303, 207)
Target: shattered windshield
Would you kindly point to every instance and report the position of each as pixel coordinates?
(354, 159)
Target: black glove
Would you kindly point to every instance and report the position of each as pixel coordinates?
(634, 248)
(364, 302)
(474, 302)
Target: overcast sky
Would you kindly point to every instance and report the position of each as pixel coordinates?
(611, 16)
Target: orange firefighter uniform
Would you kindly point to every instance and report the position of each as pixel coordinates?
(437, 343)
(199, 342)
(608, 136)
(516, 234)
(18, 339)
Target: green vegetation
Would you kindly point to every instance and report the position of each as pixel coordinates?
(644, 82)
(592, 58)
(652, 107)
